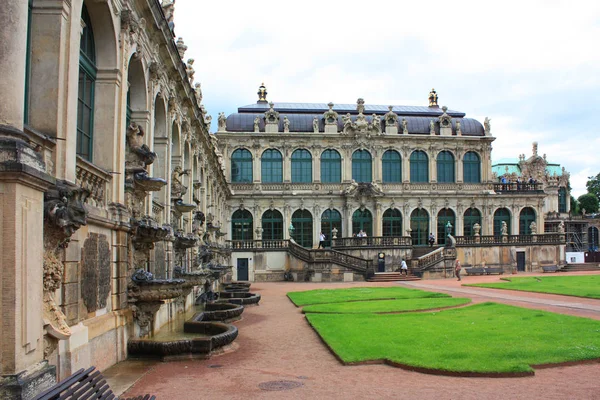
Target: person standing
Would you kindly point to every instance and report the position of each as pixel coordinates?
(457, 269)
(403, 268)
(431, 239)
(322, 238)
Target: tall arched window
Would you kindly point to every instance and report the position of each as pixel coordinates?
(526, 217)
(331, 166)
(241, 166)
(471, 168)
(331, 219)
(361, 166)
(592, 238)
(362, 220)
(419, 167)
(419, 225)
(445, 167)
(501, 215)
(271, 166)
(391, 164)
(301, 166)
(272, 225)
(303, 227)
(444, 216)
(241, 225)
(87, 83)
(392, 222)
(562, 200)
(471, 217)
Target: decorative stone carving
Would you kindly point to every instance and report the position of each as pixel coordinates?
(222, 122)
(362, 189)
(504, 228)
(168, 7)
(404, 126)
(391, 121)
(177, 188)
(376, 124)
(331, 118)
(432, 127)
(271, 119)
(458, 128)
(476, 229)
(256, 126)
(198, 92)
(286, 124)
(189, 69)
(433, 98)
(316, 125)
(533, 228)
(487, 126)
(181, 47)
(445, 122)
(262, 93)
(95, 272)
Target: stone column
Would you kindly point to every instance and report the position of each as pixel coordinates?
(378, 223)
(459, 169)
(317, 168)
(406, 169)
(287, 168)
(377, 174)
(432, 168)
(23, 180)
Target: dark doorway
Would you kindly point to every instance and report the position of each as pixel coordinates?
(381, 262)
(521, 261)
(242, 269)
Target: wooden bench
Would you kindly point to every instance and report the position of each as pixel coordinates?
(475, 271)
(83, 384)
(491, 271)
(550, 268)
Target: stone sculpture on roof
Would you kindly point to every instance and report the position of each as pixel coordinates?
(404, 126)
(316, 124)
(486, 126)
(222, 122)
(391, 121)
(330, 117)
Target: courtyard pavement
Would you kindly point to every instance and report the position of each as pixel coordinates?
(276, 344)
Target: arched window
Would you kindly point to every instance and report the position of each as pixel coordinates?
(471, 217)
(362, 220)
(87, 83)
(241, 166)
(391, 165)
(444, 216)
(331, 167)
(301, 166)
(592, 238)
(303, 228)
(471, 168)
(361, 166)
(526, 217)
(272, 225)
(562, 200)
(392, 222)
(445, 167)
(271, 166)
(331, 219)
(241, 225)
(419, 168)
(419, 225)
(501, 215)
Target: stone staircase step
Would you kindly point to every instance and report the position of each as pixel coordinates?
(392, 277)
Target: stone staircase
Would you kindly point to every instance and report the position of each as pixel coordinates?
(392, 277)
(581, 267)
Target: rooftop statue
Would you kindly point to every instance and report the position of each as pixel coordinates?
(286, 124)
(198, 90)
(222, 122)
(486, 126)
(316, 124)
(404, 126)
(256, 127)
(431, 127)
(189, 69)
(433, 98)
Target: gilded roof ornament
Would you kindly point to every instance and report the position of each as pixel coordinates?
(433, 98)
(262, 93)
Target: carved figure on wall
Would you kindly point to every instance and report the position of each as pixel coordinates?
(347, 120)
(376, 123)
(181, 47)
(533, 228)
(198, 90)
(256, 127)
(168, 7)
(286, 124)
(316, 125)
(189, 69)
(504, 228)
(432, 127)
(561, 227)
(177, 187)
(476, 229)
(140, 153)
(351, 188)
(391, 118)
(404, 126)
(222, 122)
(487, 126)
(458, 129)
(208, 121)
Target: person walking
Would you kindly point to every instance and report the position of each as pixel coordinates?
(457, 269)
(403, 268)
(322, 238)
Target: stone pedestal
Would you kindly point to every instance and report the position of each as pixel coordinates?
(331, 128)
(391, 130)
(29, 382)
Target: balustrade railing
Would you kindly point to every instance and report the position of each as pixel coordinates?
(430, 258)
(90, 177)
(514, 187)
(265, 244)
(376, 241)
(495, 240)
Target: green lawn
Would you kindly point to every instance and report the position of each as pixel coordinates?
(483, 338)
(386, 306)
(322, 296)
(580, 286)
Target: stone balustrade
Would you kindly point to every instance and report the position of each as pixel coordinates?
(95, 180)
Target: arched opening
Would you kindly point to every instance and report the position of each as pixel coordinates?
(444, 217)
(445, 167)
(471, 168)
(593, 238)
(419, 167)
(241, 225)
(471, 217)
(562, 200)
(419, 225)
(241, 166)
(331, 167)
(526, 217)
(271, 164)
(272, 225)
(301, 166)
(362, 220)
(303, 228)
(392, 222)
(86, 88)
(501, 215)
(362, 166)
(330, 220)
(391, 166)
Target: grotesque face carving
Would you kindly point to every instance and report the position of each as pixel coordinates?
(64, 211)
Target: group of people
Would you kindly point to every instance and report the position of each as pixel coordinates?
(506, 182)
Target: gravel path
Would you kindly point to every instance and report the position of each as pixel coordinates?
(277, 344)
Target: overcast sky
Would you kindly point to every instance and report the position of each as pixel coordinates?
(533, 67)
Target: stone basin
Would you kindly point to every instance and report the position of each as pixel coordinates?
(242, 298)
(185, 241)
(147, 231)
(156, 290)
(147, 183)
(192, 278)
(184, 207)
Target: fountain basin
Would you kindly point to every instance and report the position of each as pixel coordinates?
(239, 298)
(148, 184)
(184, 207)
(222, 312)
(235, 288)
(156, 290)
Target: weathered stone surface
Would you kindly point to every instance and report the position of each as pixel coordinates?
(95, 271)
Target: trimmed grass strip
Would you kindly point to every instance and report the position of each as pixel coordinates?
(386, 306)
(483, 338)
(323, 296)
(578, 286)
